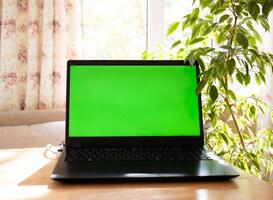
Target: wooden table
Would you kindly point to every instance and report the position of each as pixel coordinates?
(24, 174)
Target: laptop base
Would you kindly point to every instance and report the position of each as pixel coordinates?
(142, 170)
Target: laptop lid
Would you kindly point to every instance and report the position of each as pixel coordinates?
(132, 103)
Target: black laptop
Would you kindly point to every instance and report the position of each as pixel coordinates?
(129, 120)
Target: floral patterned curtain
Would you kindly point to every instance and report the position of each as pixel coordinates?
(37, 38)
(266, 91)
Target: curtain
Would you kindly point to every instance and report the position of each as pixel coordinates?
(37, 38)
(266, 91)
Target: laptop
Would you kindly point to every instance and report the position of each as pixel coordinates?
(135, 120)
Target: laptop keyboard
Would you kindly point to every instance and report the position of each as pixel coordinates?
(135, 154)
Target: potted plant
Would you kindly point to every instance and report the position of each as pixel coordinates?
(234, 57)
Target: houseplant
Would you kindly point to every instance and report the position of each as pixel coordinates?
(234, 57)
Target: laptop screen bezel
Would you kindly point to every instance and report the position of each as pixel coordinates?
(131, 141)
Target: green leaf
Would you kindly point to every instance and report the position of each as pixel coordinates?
(239, 77)
(231, 66)
(223, 18)
(232, 94)
(227, 28)
(200, 86)
(175, 44)
(190, 54)
(261, 76)
(257, 36)
(255, 162)
(221, 38)
(196, 30)
(213, 93)
(239, 8)
(179, 53)
(218, 11)
(242, 30)
(245, 13)
(252, 109)
(254, 53)
(172, 27)
(192, 60)
(214, 7)
(201, 64)
(224, 137)
(267, 7)
(248, 24)
(194, 15)
(222, 153)
(186, 24)
(209, 29)
(214, 120)
(247, 79)
(264, 23)
(205, 3)
(253, 9)
(226, 47)
(257, 79)
(145, 55)
(196, 40)
(242, 40)
(252, 42)
(229, 20)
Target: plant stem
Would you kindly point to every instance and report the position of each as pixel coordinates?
(236, 124)
(234, 26)
(230, 42)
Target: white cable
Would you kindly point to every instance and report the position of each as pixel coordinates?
(52, 151)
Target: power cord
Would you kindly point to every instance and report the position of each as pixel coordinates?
(52, 152)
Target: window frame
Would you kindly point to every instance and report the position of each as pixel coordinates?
(155, 24)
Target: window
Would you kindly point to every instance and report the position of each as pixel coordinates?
(114, 29)
(123, 29)
(175, 10)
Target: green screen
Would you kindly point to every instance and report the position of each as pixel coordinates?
(119, 101)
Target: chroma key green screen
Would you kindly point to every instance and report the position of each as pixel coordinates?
(120, 100)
